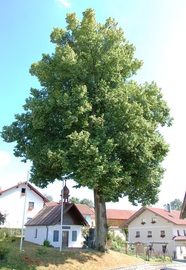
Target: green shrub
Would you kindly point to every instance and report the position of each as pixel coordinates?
(3, 252)
(116, 243)
(12, 238)
(41, 251)
(46, 243)
(8, 232)
(115, 246)
(2, 234)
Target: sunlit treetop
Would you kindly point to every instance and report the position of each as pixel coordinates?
(89, 120)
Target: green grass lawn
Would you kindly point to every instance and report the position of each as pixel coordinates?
(35, 257)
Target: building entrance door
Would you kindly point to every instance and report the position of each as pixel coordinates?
(65, 236)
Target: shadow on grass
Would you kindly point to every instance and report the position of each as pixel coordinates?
(33, 255)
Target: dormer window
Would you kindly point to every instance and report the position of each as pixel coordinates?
(143, 221)
(153, 220)
(23, 191)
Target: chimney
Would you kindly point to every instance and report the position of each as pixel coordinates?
(169, 208)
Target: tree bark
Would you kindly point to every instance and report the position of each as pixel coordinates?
(101, 227)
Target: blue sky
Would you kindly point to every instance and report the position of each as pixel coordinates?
(158, 30)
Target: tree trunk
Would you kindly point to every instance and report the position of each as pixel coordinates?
(101, 227)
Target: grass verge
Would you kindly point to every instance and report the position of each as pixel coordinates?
(35, 257)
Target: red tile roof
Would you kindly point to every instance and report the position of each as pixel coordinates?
(179, 238)
(84, 209)
(119, 214)
(51, 203)
(172, 216)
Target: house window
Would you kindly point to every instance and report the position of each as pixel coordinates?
(143, 221)
(74, 235)
(178, 232)
(55, 236)
(153, 220)
(149, 234)
(35, 233)
(28, 219)
(162, 234)
(30, 206)
(23, 191)
(137, 233)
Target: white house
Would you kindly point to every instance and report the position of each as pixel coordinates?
(15, 199)
(157, 228)
(46, 225)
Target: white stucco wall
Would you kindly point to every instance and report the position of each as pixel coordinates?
(12, 203)
(43, 235)
(37, 238)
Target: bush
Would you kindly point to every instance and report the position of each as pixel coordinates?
(9, 232)
(116, 243)
(12, 238)
(41, 251)
(46, 243)
(3, 252)
(3, 232)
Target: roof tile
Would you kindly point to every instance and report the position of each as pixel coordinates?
(172, 216)
(119, 214)
(51, 215)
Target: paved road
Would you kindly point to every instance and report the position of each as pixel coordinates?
(173, 266)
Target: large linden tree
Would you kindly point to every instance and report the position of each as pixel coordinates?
(91, 122)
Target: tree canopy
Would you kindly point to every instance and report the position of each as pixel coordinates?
(49, 197)
(83, 201)
(176, 204)
(90, 121)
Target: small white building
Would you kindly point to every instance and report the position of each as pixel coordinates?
(46, 225)
(157, 228)
(12, 202)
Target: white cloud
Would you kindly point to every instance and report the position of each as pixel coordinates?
(5, 159)
(65, 3)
